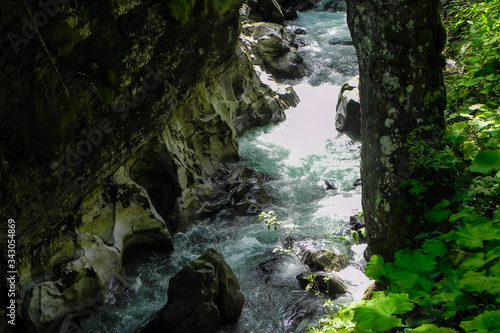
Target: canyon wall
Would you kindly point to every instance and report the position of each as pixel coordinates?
(119, 127)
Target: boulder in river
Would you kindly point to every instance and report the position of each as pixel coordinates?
(201, 296)
(348, 114)
(324, 260)
(327, 283)
(274, 49)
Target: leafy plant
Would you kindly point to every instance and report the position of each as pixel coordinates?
(448, 279)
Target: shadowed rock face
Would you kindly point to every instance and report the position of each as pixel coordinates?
(204, 294)
(162, 105)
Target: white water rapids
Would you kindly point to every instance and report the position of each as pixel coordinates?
(298, 153)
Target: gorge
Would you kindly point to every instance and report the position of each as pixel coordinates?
(147, 161)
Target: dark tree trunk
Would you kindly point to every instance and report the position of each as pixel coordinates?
(402, 96)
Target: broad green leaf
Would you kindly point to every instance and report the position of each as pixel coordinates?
(492, 250)
(486, 161)
(430, 328)
(409, 271)
(477, 281)
(374, 268)
(435, 247)
(476, 107)
(438, 214)
(478, 124)
(489, 321)
(494, 270)
(474, 81)
(376, 315)
(473, 237)
(456, 133)
(474, 261)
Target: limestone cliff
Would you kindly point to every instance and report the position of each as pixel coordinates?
(117, 122)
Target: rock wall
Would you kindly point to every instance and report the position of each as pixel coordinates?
(160, 98)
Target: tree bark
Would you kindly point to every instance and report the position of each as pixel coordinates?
(402, 97)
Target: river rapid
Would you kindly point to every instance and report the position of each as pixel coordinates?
(298, 154)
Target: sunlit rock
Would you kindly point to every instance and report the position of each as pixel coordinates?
(274, 49)
(348, 114)
(324, 260)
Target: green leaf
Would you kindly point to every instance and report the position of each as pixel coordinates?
(448, 291)
(456, 133)
(376, 315)
(474, 81)
(489, 321)
(374, 268)
(492, 250)
(435, 247)
(355, 236)
(474, 261)
(438, 214)
(486, 161)
(473, 237)
(477, 281)
(430, 328)
(494, 270)
(476, 107)
(409, 271)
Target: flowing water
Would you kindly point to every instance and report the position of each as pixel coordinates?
(298, 153)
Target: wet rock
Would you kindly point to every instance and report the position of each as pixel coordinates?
(71, 324)
(268, 266)
(348, 114)
(323, 282)
(303, 313)
(328, 185)
(336, 41)
(203, 295)
(247, 193)
(323, 260)
(300, 31)
(334, 6)
(357, 224)
(368, 293)
(275, 50)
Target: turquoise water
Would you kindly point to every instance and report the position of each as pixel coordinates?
(298, 153)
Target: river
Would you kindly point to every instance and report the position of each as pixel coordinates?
(298, 154)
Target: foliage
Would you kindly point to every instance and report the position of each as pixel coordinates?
(448, 279)
(181, 10)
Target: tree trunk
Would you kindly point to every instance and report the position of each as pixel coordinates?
(402, 97)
